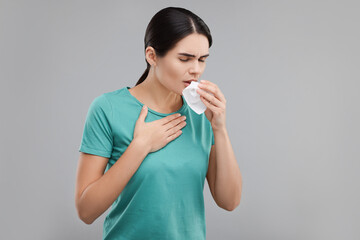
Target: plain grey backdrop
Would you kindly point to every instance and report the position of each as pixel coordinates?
(288, 69)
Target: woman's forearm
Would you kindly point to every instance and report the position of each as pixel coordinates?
(99, 195)
(228, 180)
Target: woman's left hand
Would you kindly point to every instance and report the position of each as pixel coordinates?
(216, 104)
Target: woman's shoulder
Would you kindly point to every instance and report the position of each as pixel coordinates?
(115, 93)
(111, 96)
(106, 99)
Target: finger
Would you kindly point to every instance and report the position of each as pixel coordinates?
(143, 113)
(209, 97)
(180, 121)
(173, 136)
(213, 88)
(169, 118)
(207, 103)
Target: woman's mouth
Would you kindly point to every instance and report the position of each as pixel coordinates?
(187, 83)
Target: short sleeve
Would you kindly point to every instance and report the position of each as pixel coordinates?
(97, 138)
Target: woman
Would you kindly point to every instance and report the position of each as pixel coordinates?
(156, 161)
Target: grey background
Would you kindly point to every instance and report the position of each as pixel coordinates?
(289, 72)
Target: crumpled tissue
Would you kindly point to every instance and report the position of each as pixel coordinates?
(192, 98)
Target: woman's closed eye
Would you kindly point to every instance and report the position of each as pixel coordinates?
(185, 60)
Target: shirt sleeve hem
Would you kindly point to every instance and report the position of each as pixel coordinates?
(100, 153)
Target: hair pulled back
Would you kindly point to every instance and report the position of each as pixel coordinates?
(169, 26)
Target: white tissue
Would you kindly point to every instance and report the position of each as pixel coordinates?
(192, 98)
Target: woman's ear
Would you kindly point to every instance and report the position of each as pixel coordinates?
(150, 55)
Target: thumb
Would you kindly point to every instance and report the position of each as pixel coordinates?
(143, 113)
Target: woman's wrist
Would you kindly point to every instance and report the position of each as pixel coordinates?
(141, 145)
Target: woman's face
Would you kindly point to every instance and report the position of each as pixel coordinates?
(178, 66)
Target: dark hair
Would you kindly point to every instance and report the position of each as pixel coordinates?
(169, 26)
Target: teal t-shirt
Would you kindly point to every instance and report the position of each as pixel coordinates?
(164, 198)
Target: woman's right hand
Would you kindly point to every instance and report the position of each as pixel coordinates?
(158, 133)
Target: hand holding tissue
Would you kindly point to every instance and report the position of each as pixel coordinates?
(192, 98)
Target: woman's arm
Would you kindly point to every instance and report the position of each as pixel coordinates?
(96, 191)
(228, 179)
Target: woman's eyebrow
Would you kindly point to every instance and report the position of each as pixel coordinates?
(190, 55)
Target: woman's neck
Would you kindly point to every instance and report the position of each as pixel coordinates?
(153, 94)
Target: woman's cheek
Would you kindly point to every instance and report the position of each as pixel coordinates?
(176, 69)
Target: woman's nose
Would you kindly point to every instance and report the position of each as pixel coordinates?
(195, 67)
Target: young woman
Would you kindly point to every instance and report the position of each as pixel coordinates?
(139, 154)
